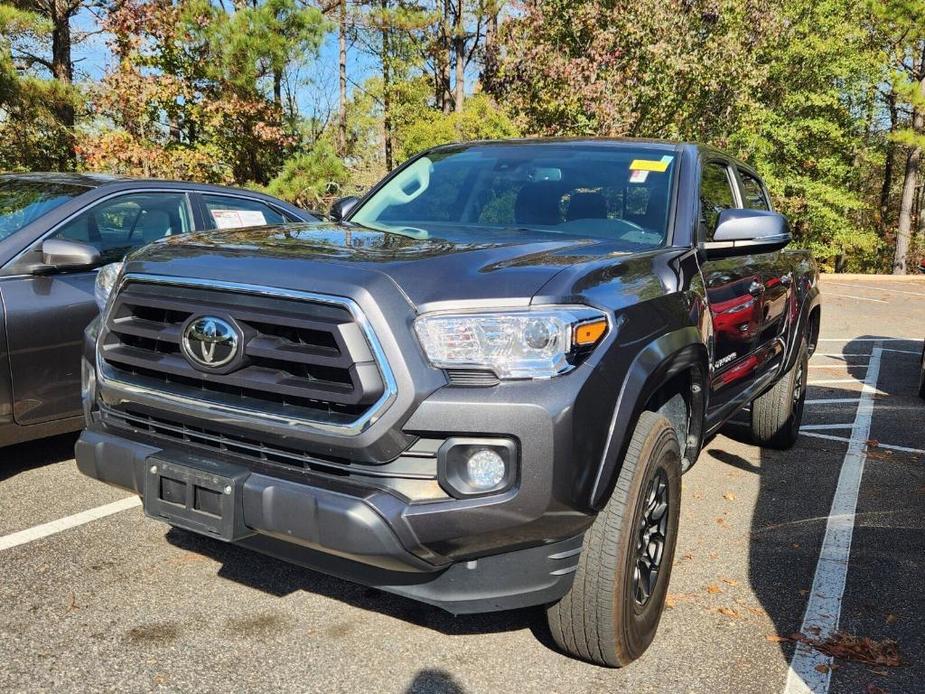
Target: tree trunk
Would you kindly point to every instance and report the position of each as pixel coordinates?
(277, 88)
(342, 68)
(910, 182)
(444, 58)
(61, 66)
(459, 43)
(889, 163)
(386, 89)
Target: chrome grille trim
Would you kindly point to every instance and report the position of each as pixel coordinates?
(321, 424)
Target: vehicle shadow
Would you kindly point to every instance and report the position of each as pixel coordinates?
(280, 578)
(795, 497)
(34, 454)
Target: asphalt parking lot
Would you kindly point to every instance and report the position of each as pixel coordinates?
(120, 602)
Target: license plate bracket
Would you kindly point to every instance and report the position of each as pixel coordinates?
(202, 496)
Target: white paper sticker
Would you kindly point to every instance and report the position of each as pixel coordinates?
(235, 219)
(638, 176)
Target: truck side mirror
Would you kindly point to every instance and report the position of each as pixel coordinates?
(740, 232)
(341, 208)
(63, 255)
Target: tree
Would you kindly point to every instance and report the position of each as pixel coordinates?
(31, 105)
(901, 24)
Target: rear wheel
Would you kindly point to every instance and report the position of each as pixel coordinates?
(777, 415)
(611, 613)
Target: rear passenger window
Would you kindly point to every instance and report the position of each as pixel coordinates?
(715, 196)
(228, 212)
(753, 195)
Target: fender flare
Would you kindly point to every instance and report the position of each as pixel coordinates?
(654, 365)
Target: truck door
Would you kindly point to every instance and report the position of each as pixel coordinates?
(735, 291)
(776, 280)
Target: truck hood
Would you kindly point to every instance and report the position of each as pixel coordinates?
(452, 265)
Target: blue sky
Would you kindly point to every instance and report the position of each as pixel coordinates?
(317, 91)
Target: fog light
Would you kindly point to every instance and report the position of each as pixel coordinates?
(477, 466)
(485, 469)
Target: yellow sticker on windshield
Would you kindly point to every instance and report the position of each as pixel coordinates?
(657, 165)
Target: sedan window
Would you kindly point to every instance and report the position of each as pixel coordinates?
(122, 224)
(229, 212)
(22, 202)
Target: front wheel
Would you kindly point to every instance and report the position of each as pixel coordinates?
(611, 613)
(777, 415)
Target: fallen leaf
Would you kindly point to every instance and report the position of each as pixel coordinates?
(713, 589)
(720, 520)
(822, 667)
(688, 556)
(774, 638)
(730, 581)
(861, 649)
(728, 612)
(804, 591)
(795, 545)
(873, 443)
(713, 555)
(891, 618)
(729, 496)
(874, 689)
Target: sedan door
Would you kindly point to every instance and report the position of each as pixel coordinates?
(46, 313)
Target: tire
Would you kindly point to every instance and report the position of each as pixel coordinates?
(602, 619)
(777, 415)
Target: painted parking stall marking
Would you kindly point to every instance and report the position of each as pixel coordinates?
(56, 526)
(824, 606)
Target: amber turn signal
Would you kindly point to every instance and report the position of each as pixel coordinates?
(589, 333)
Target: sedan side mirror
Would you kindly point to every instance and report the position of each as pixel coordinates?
(740, 232)
(341, 208)
(64, 255)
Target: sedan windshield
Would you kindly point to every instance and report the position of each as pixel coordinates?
(608, 191)
(22, 201)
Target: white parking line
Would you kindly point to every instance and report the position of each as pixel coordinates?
(832, 401)
(869, 339)
(845, 439)
(56, 526)
(810, 670)
(856, 298)
(831, 381)
(876, 289)
(838, 366)
(824, 427)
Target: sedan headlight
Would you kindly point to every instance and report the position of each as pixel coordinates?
(537, 342)
(106, 278)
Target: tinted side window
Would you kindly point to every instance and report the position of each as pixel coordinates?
(124, 223)
(753, 196)
(715, 196)
(228, 212)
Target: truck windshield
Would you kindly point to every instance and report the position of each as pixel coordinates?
(607, 191)
(22, 202)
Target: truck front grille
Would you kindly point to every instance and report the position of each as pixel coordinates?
(305, 358)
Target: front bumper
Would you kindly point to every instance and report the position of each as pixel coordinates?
(357, 533)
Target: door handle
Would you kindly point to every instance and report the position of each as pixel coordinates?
(756, 288)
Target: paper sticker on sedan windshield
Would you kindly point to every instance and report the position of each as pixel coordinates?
(657, 165)
(638, 176)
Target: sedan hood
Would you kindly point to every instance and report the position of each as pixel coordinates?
(455, 264)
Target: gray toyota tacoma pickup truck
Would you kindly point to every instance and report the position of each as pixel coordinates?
(476, 387)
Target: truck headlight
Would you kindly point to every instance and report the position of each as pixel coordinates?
(538, 342)
(106, 278)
